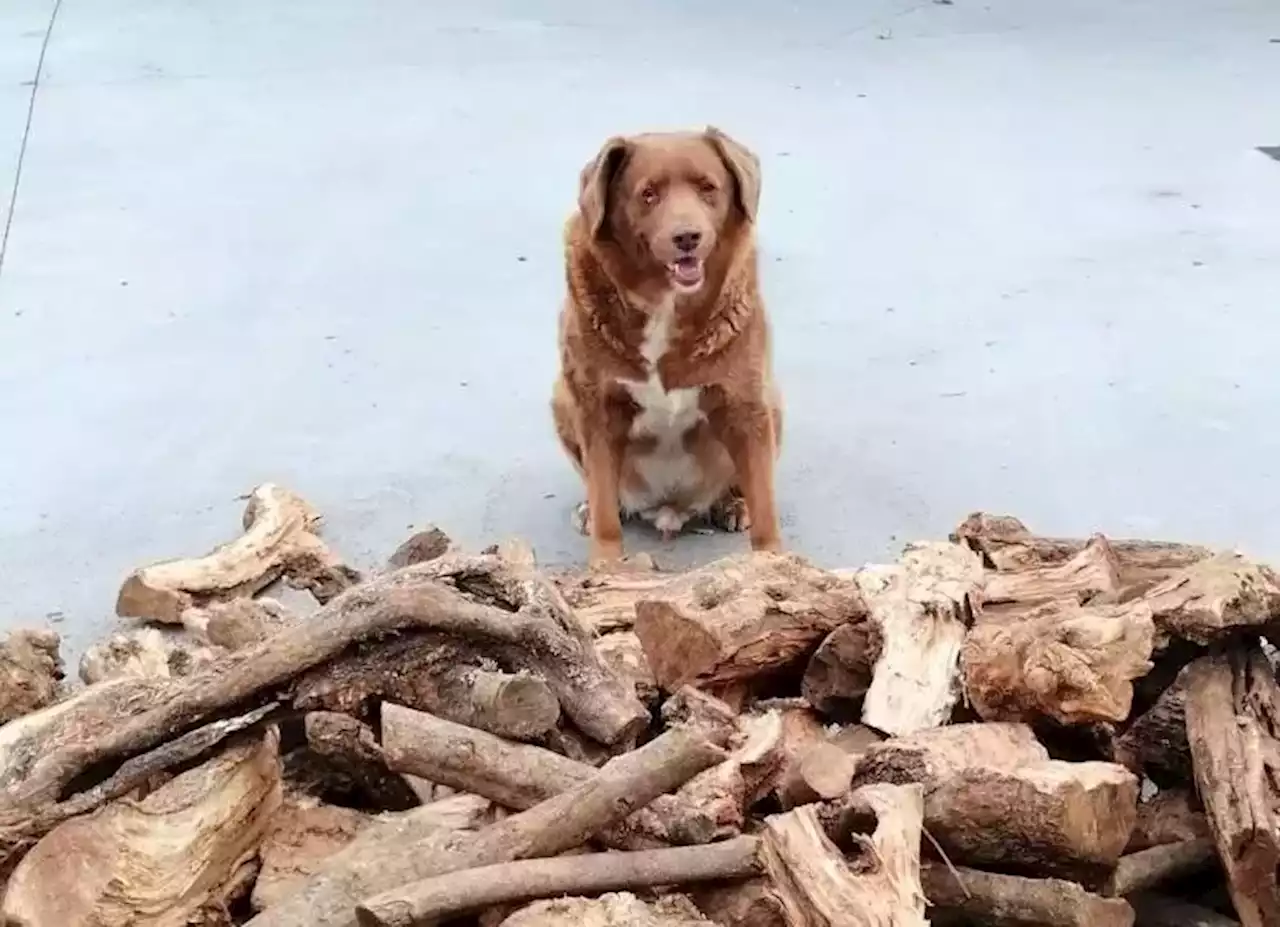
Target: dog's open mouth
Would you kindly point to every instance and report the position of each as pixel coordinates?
(686, 272)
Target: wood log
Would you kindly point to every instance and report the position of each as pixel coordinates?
(923, 606)
(279, 536)
(723, 794)
(1006, 545)
(1233, 725)
(519, 776)
(880, 881)
(688, 705)
(1069, 663)
(425, 545)
(995, 900)
(1216, 598)
(155, 861)
(1170, 816)
(611, 910)
(748, 903)
(605, 599)
(741, 618)
(353, 749)
(30, 672)
(467, 892)
(302, 837)
(1158, 911)
(145, 652)
(622, 652)
(1156, 743)
(992, 798)
(840, 670)
(385, 861)
(819, 763)
(1138, 872)
(1093, 574)
(238, 623)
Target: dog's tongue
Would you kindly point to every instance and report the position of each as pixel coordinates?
(687, 270)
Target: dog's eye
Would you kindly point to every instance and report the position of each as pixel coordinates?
(649, 196)
(705, 186)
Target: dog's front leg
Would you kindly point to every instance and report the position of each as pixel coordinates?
(602, 463)
(747, 432)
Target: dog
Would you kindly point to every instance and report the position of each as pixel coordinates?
(665, 400)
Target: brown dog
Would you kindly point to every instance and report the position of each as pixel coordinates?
(665, 400)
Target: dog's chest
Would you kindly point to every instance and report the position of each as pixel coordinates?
(663, 415)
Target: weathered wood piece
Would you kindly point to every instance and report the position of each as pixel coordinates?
(749, 903)
(1062, 661)
(1145, 869)
(1092, 574)
(238, 623)
(145, 652)
(427, 544)
(520, 776)
(472, 890)
(605, 599)
(357, 758)
(387, 860)
(30, 672)
(611, 910)
(1158, 911)
(624, 654)
(279, 537)
(992, 798)
(877, 886)
(1169, 816)
(154, 861)
(923, 606)
(1006, 545)
(740, 618)
(840, 670)
(1215, 598)
(1156, 742)
(1233, 726)
(995, 900)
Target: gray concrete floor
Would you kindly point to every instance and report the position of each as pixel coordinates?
(1020, 256)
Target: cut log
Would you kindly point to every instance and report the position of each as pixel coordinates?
(1091, 575)
(1157, 911)
(700, 709)
(1156, 743)
(468, 892)
(297, 842)
(612, 910)
(820, 763)
(427, 544)
(145, 652)
(723, 794)
(995, 900)
(279, 537)
(1216, 598)
(155, 861)
(30, 672)
(840, 670)
(385, 861)
(1071, 664)
(519, 776)
(1233, 725)
(1146, 869)
(605, 600)
(1170, 816)
(741, 618)
(624, 654)
(1006, 545)
(751, 903)
(923, 606)
(353, 749)
(992, 798)
(880, 881)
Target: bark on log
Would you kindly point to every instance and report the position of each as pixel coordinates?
(612, 910)
(922, 606)
(877, 886)
(468, 892)
(358, 759)
(1092, 574)
(155, 861)
(427, 544)
(1157, 911)
(1072, 664)
(750, 903)
(1170, 816)
(605, 600)
(1156, 743)
(840, 670)
(30, 672)
(1216, 598)
(992, 798)
(723, 794)
(145, 652)
(624, 654)
(279, 537)
(1006, 545)
(519, 776)
(995, 900)
(1233, 725)
(1154, 866)
(385, 861)
(741, 618)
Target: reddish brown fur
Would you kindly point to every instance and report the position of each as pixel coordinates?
(636, 198)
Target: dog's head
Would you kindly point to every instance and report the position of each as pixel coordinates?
(668, 200)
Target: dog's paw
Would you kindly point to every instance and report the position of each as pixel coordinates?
(580, 518)
(730, 514)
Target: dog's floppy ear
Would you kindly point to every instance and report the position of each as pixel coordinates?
(744, 166)
(596, 179)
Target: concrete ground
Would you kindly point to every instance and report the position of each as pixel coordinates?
(1019, 256)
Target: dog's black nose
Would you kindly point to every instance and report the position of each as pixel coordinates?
(686, 241)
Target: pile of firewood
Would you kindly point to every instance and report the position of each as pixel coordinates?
(1001, 729)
